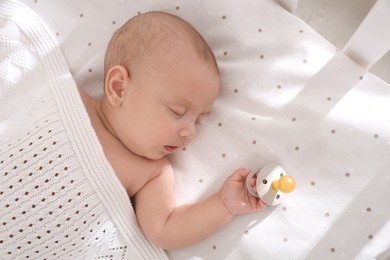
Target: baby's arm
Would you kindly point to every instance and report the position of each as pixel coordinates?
(170, 227)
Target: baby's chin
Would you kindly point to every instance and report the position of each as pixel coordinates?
(165, 151)
(157, 156)
(153, 157)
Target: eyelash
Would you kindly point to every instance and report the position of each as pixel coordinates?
(176, 113)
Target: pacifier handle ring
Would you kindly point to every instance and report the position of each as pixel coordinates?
(249, 178)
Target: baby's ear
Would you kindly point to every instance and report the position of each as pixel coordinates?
(114, 87)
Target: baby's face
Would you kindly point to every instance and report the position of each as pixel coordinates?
(163, 104)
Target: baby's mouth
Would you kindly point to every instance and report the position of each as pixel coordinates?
(170, 148)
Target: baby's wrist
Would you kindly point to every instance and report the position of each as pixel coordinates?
(225, 205)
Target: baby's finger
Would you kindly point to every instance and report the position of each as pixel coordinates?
(243, 172)
(239, 174)
(261, 205)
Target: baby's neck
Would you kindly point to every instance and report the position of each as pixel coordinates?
(102, 113)
(97, 111)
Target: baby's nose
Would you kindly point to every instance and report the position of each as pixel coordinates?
(188, 131)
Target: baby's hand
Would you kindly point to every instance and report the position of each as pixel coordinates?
(236, 197)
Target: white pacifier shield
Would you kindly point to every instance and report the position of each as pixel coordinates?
(264, 190)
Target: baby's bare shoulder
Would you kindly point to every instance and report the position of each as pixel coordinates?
(135, 172)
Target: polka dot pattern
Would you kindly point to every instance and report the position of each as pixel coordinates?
(283, 100)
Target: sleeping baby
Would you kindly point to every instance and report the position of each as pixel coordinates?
(161, 80)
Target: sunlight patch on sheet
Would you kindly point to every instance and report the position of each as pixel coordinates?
(309, 59)
(350, 111)
(276, 99)
(375, 244)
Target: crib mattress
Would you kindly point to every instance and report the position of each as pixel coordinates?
(288, 96)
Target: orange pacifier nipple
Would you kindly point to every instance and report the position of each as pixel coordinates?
(285, 184)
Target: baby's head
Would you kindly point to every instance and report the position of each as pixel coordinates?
(161, 79)
(145, 33)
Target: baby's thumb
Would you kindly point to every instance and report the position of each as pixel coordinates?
(243, 172)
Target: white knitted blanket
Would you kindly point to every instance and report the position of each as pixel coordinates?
(59, 196)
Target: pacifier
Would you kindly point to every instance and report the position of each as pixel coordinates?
(271, 182)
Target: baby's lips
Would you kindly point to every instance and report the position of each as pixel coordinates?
(170, 148)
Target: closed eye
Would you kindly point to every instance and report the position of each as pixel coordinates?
(177, 112)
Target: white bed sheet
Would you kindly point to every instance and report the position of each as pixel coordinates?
(288, 97)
